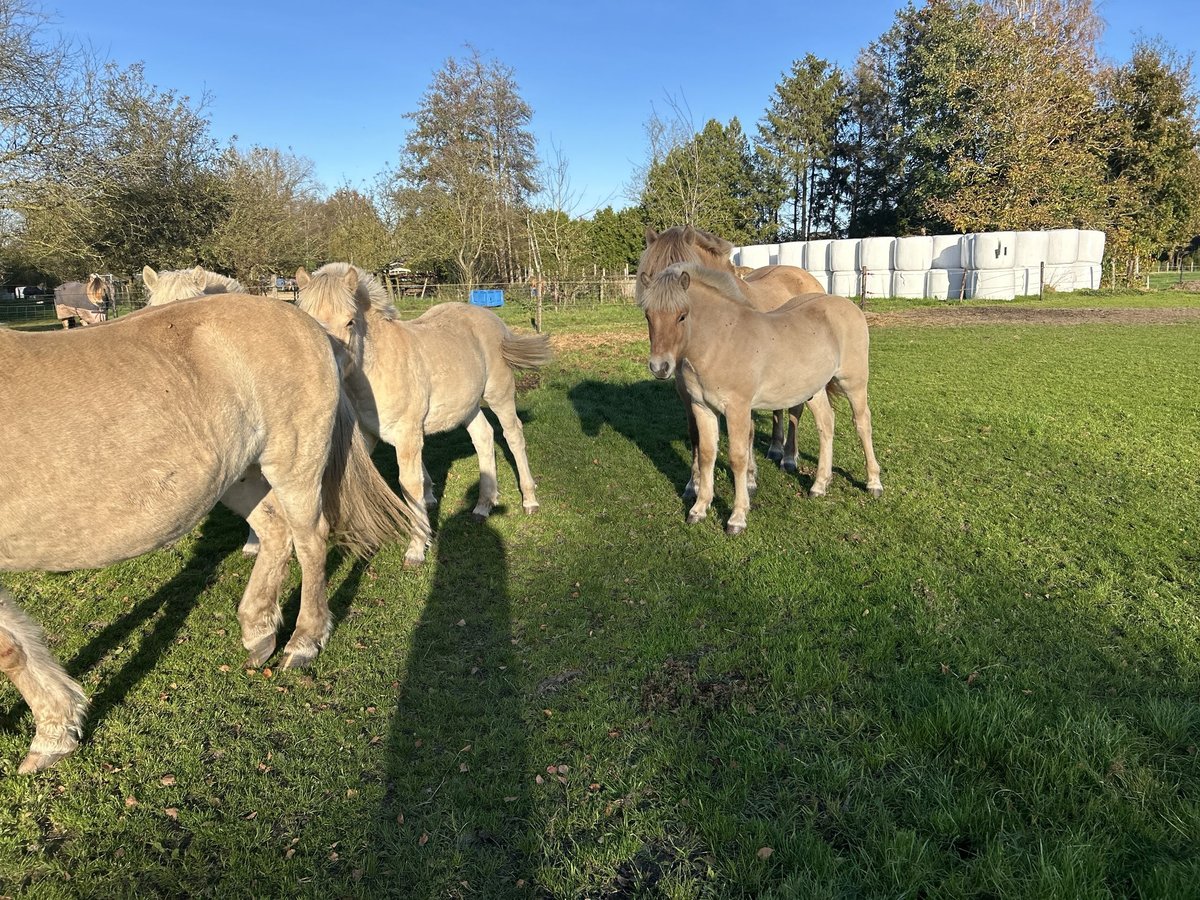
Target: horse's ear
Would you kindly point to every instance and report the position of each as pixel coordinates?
(684, 280)
(651, 235)
(149, 277)
(198, 272)
(644, 279)
(350, 279)
(302, 278)
(689, 234)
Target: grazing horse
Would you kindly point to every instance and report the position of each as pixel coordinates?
(195, 394)
(183, 284)
(425, 376)
(765, 289)
(732, 359)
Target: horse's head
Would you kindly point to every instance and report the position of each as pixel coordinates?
(183, 284)
(683, 244)
(340, 296)
(664, 299)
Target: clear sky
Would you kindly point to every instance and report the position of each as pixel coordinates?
(332, 81)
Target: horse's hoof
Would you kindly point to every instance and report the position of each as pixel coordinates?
(260, 652)
(531, 508)
(877, 492)
(431, 502)
(413, 562)
(694, 518)
(774, 454)
(816, 492)
(298, 659)
(733, 530)
(788, 465)
(250, 550)
(36, 762)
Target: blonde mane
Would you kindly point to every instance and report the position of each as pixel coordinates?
(685, 243)
(183, 284)
(668, 291)
(370, 294)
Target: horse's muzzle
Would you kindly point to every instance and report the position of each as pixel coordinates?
(661, 369)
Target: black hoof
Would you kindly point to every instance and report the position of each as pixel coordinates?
(733, 530)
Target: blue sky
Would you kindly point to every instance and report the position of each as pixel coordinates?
(332, 81)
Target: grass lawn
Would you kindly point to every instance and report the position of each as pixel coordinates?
(985, 684)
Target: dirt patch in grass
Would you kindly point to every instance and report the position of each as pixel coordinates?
(1190, 287)
(592, 339)
(676, 685)
(1026, 315)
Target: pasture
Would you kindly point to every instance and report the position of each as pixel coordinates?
(986, 683)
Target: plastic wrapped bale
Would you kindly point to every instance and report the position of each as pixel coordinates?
(991, 251)
(877, 284)
(1031, 249)
(1060, 278)
(1062, 246)
(824, 279)
(844, 284)
(875, 255)
(913, 254)
(843, 255)
(910, 285)
(991, 284)
(947, 251)
(816, 258)
(791, 253)
(945, 284)
(1086, 275)
(757, 256)
(1091, 247)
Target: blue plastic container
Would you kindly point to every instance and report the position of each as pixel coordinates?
(487, 298)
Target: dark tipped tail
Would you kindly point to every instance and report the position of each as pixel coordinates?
(526, 351)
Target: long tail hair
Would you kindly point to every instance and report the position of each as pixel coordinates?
(526, 351)
(362, 510)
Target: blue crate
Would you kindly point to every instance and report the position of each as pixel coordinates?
(487, 298)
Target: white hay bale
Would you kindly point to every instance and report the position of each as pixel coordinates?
(816, 257)
(824, 279)
(1063, 246)
(991, 250)
(757, 256)
(945, 284)
(843, 255)
(877, 283)
(1091, 247)
(791, 253)
(1087, 276)
(913, 254)
(844, 284)
(947, 251)
(1030, 248)
(910, 285)
(1060, 278)
(992, 284)
(875, 254)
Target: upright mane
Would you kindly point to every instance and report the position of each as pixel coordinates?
(182, 284)
(668, 291)
(684, 243)
(328, 286)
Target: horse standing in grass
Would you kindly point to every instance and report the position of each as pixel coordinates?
(183, 284)
(764, 288)
(425, 376)
(195, 394)
(731, 359)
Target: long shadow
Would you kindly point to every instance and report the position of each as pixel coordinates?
(458, 713)
(168, 607)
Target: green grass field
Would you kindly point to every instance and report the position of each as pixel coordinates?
(985, 684)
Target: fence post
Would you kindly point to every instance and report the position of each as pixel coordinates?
(1041, 280)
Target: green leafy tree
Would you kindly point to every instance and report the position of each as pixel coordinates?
(617, 238)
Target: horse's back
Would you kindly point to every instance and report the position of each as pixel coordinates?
(120, 439)
(771, 286)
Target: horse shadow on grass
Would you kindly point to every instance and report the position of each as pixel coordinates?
(455, 758)
(650, 415)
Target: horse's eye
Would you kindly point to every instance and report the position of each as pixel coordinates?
(682, 316)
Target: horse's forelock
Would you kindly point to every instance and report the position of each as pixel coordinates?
(667, 293)
(370, 293)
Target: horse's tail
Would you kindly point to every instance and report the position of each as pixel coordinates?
(526, 351)
(362, 510)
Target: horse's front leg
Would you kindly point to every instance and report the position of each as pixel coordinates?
(823, 418)
(412, 483)
(707, 435)
(54, 698)
(776, 452)
(739, 422)
(790, 461)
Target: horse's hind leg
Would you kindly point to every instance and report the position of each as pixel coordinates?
(480, 430)
(251, 483)
(823, 418)
(776, 451)
(856, 393)
(790, 461)
(258, 613)
(514, 435)
(740, 425)
(412, 485)
(56, 700)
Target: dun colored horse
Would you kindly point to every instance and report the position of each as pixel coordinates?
(425, 376)
(765, 289)
(731, 359)
(195, 394)
(182, 284)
